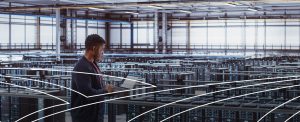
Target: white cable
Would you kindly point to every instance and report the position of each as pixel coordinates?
(226, 99)
(208, 94)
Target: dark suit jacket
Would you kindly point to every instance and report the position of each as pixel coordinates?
(88, 85)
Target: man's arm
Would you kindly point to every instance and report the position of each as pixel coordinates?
(84, 83)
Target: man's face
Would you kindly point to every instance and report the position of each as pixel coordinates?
(99, 52)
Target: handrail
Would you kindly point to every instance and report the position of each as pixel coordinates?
(80, 46)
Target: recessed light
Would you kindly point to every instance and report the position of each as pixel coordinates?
(128, 12)
(152, 6)
(98, 9)
(184, 11)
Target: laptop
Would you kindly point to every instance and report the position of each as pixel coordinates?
(127, 83)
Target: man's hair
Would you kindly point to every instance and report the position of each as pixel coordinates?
(93, 40)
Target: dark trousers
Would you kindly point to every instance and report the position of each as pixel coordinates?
(74, 119)
(99, 118)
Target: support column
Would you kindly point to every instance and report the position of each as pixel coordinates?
(121, 36)
(244, 39)
(25, 34)
(207, 37)
(285, 51)
(155, 34)
(171, 39)
(164, 32)
(38, 32)
(131, 36)
(63, 31)
(188, 37)
(86, 24)
(9, 30)
(148, 31)
(57, 33)
(256, 38)
(9, 36)
(265, 36)
(70, 30)
(137, 32)
(74, 30)
(107, 32)
(226, 35)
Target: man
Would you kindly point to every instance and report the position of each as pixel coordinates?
(88, 84)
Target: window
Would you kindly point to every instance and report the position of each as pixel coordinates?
(4, 18)
(216, 33)
(30, 34)
(4, 38)
(126, 34)
(234, 30)
(275, 33)
(115, 34)
(48, 34)
(18, 34)
(198, 32)
(179, 33)
(80, 35)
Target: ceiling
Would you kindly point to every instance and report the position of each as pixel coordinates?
(139, 9)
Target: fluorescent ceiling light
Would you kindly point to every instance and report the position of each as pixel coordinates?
(128, 12)
(97, 9)
(217, 11)
(229, 18)
(152, 6)
(286, 8)
(184, 11)
(251, 9)
(231, 4)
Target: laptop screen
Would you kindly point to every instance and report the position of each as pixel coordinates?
(129, 83)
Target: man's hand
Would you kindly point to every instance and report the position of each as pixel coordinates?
(109, 88)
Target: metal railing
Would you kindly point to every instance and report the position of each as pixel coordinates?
(81, 46)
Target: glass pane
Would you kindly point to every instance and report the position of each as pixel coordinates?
(81, 23)
(101, 32)
(250, 36)
(4, 18)
(126, 36)
(18, 18)
(216, 36)
(30, 20)
(92, 23)
(115, 36)
(234, 35)
(81, 35)
(292, 36)
(179, 36)
(30, 34)
(92, 31)
(47, 35)
(47, 20)
(4, 38)
(142, 36)
(275, 36)
(18, 33)
(198, 36)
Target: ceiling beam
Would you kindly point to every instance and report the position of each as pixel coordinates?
(105, 5)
